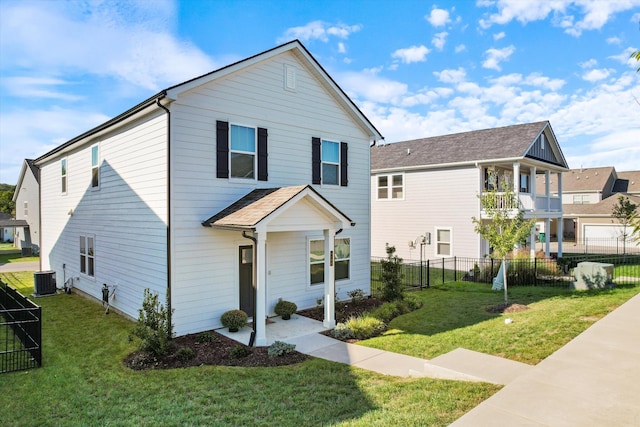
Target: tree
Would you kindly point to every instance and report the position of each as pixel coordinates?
(624, 212)
(505, 227)
(636, 55)
(392, 275)
(6, 199)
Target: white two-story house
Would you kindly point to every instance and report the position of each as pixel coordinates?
(424, 192)
(231, 190)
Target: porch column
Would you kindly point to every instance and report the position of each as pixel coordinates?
(516, 181)
(561, 220)
(532, 250)
(532, 186)
(329, 279)
(547, 191)
(547, 243)
(261, 285)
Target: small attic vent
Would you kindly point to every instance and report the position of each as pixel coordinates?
(289, 77)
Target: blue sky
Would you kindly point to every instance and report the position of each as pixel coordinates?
(415, 68)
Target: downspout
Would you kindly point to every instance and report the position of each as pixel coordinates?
(169, 308)
(252, 339)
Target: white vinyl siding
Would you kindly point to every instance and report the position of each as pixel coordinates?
(204, 270)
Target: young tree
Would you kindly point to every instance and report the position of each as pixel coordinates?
(505, 226)
(624, 212)
(392, 275)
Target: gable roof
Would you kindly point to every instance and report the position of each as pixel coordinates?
(587, 179)
(503, 143)
(170, 94)
(249, 211)
(627, 182)
(27, 165)
(602, 208)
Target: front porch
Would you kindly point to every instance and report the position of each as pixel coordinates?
(277, 329)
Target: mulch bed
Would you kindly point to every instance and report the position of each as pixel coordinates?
(218, 351)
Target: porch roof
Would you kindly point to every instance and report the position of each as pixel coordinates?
(260, 205)
(6, 223)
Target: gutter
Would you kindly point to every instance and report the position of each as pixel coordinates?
(169, 308)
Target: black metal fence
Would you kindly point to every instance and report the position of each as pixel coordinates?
(520, 272)
(20, 331)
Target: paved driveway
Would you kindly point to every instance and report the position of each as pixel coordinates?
(11, 267)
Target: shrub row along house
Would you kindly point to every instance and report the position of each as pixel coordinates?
(256, 172)
(428, 188)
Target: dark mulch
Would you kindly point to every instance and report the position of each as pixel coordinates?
(507, 308)
(344, 310)
(216, 352)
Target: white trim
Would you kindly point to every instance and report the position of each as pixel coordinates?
(436, 241)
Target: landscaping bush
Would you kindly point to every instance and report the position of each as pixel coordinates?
(365, 327)
(234, 320)
(342, 332)
(356, 295)
(184, 354)
(285, 309)
(392, 287)
(204, 337)
(240, 351)
(153, 326)
(280, 348)
(385, 312)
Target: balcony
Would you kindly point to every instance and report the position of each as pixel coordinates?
(526, 203)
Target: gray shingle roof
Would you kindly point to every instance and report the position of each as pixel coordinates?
(602, 208)
(498, 143)
(627, 182)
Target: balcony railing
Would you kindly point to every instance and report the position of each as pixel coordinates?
(525, 202)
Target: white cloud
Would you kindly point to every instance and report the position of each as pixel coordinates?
(439, 40)
(342, 48)
(596, 74)
(36, 87)
(412, 54)
(438, 17)
(368, 86)
(595, 14)
(460, 48)
(319, 30)
(588, 64)
(121, 40)
(613, 40)
(495, 56)
(499, 35)
(451, 76)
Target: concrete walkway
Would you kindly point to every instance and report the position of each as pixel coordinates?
(594, 380)
(12, 267)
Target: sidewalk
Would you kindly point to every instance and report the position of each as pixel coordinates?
(594, 380)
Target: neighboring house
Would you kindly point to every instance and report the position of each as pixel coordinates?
(8, 226)
(258, 169)
(588, 197)
(429, 187)
(27, 200)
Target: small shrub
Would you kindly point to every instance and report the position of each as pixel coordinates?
(234, 320)
(342, 332)
(386, 312)
(153, 326)
(280, 348)
(413, 303)
(184, 354)
(392, 276)
(285, 309)
(204, 337)
(365, 327)
(356, 295)
(240, 351)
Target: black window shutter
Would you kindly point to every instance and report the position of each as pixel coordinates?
(344, 164)
(315, 160)
(262, 154)
(222, 149)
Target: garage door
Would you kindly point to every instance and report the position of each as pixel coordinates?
(603, 231)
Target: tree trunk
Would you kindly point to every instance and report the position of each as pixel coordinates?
(504, 278)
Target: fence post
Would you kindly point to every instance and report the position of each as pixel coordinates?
(535, 271)
(428, 275)
(455, 270)
(443, 271)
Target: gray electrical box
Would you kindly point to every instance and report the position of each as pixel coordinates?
(593, 275)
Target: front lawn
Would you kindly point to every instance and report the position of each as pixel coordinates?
(10, 254)
(84, 382)
(454, 315)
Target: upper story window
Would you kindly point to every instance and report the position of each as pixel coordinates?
(26, 208)
(581, 199)
(524, 183)
(329, 162)
(342, 260)
(87, 255)
(95, 167)
(242, 154)
(443, 242)
(63, 176)
(391, 187)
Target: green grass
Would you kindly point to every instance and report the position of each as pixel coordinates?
(455, 315)
(83, 382)
(10, 254)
